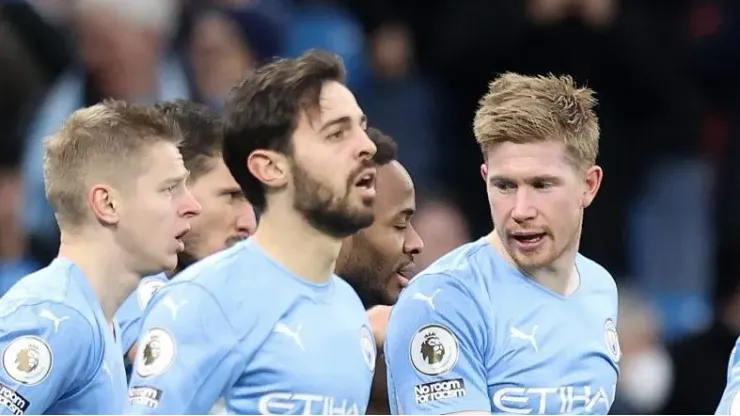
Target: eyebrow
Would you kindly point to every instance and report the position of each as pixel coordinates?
(530, 180)
(177, 179)
(341, 120)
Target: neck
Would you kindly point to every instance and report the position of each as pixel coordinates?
(103, 267)
(288, 239)
(560, 276)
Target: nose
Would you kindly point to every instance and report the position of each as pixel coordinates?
(246, 220)
(523, 209)
(189, 207)
(367, 147)
(413, 244)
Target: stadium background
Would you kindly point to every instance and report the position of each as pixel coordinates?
(666, 73)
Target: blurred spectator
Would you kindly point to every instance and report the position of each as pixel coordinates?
(402, 102)
(700, 361)
(124, 53)
(226, 40)
(20, 84)
(219, 57)
(645, 369)
(326, 24)
(441, 226)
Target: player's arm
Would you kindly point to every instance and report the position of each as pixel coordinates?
(435, 347)
(186, 356)
(730, 402)
(48, 352)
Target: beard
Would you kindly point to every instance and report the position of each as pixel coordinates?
(324, 210)
(364, 269)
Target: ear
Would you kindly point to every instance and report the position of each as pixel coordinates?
(270, 167)
(104, 204)
(593, 178)
(484, 172)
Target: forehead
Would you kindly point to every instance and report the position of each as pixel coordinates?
(526, 159)
(162, 161)
(335, 101)
(395, 189)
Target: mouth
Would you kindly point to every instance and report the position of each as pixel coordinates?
(365, 182)
(178, 238)
(404, 274)
(528, 240)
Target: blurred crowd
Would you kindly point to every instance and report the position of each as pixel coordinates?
(667, 77)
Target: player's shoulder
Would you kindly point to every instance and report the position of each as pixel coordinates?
(50, 284)
(594, 275)
(53, 286)
(465, 268)
(237, 270)
(347, 296)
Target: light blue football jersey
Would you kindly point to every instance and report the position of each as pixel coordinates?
(129, 314)
(239, 326)
(59, 353)
(730, 402)
(472, 333)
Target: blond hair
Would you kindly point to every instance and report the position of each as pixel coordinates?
(525, 109)
(99, 143)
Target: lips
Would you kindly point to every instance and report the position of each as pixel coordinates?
(366, 178)
(405, 273)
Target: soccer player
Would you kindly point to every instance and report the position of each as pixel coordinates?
(266, 324)
(226, 216)
(115, 179)
(378, 261)
(518, 321)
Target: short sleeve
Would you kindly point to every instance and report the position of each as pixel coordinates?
(187, 354)
(48, 351)
(435, 347)
(730, 402)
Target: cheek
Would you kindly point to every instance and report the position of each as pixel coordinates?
(500, 204)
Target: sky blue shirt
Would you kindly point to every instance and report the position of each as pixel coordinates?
(239, 326)
(59, 354)
(472, 333)
(730, 403)
(129, 314)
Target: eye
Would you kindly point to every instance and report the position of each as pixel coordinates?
(337, 135)
(542, 185)
(505, 186)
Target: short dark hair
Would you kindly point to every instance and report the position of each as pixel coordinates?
(201, 129)
(387, 147)
(263, 110)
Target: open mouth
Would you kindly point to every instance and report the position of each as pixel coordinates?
(528, 240)
(366, 179)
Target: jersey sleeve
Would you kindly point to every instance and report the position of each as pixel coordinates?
(730, 402)
(130, 313)
(187, 354)
(48, 353)
(435, 347)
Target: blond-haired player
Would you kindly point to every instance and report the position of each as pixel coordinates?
(116, 181)
(518, 321)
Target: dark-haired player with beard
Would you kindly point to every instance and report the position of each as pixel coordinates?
(226, 216)
(266, 324)
(378, 261)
